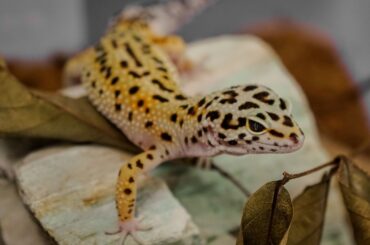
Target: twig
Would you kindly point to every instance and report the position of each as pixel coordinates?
(230, 178)
(287, 176)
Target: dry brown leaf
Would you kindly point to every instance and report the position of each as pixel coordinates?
(355, 187)
(25, 113)
(266, 217)
(309, 214)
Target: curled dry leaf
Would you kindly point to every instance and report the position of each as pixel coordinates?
(25, 113)
(309, 214)
(355, 187)
(267, 216)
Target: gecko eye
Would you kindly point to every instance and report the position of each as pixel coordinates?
(256, 127)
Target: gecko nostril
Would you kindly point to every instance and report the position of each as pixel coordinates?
(294, 137)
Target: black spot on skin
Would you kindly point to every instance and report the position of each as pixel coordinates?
(232, 93)
(208, 104)
(117, 93)
(134, 74)
(165, 77)
(108, 72)
(148, 124)
(160, 98)
(117, 107)
(232, 142)
(181, 122)
(199, 118)
(213, 115)
(186, 140)
(226, 122)
(294, 137)
(282, 104)
(161, 86)
(200, 133)
(273, 150)
(114, 43)
(221, 136)
(262, 96)
(191, 111)
(249, 88)
(129, 166)
(209, 143)
(100, 91)
(149, 156)
(248, 105)
(153, 147)
(129, 211)
(248, 142)
(184, 107)
(180, 97)
(194, 140)
(140, 103)
(93, 84)
(146, 49)
(127, 191)
(132, 54)
(260, 115)
(173, 117)
(162, 69)
(145, 73)
(167, 152)
(166, 137)
(201, 102)
(273, 116)
(157, 60)
(131, 180)
(255, 138)
(288, 121)
(205, 130)
(242, 121)
(241, 136)
(139, 164)
(147, 110)
(261, 148)
(133, 90)
(276, 133)
(228, 101)
(130, 114)
(123, 64)
(137, 38)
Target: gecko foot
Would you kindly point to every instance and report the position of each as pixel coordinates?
(129, 228)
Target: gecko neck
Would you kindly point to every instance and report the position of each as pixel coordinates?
(196, 136)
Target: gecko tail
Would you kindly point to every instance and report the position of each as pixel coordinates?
(164, 17)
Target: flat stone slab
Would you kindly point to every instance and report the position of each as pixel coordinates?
(70, 191)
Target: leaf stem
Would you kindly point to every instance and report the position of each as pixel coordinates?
(287, 176)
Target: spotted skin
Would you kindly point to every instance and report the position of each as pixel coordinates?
(131, 81)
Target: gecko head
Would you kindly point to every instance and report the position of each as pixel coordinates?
(252, 119)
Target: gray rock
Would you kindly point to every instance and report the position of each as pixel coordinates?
(70, 191)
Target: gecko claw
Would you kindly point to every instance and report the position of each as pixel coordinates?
(204, 163)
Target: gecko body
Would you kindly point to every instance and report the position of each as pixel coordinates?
(131, 80)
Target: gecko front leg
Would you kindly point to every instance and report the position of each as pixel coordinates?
(126, 190)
